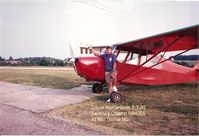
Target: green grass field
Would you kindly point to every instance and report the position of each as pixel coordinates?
(60, 79)
(171, 109)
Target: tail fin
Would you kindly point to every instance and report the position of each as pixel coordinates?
(196, 67)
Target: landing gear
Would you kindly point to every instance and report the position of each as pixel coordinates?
(97, 88)
(116, 97)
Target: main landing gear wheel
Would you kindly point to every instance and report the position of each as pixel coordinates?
(116, 97)
(97, 88)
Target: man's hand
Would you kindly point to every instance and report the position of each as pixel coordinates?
(91, 47)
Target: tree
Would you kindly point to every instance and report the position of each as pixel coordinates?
(10, 58)
(43, 62)
(2, 59)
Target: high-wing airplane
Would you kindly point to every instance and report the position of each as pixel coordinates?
(143, 62)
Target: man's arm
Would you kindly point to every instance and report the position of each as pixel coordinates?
(96, 53)
(114, 66)
(114, 63)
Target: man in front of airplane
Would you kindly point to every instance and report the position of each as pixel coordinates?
(110, 68)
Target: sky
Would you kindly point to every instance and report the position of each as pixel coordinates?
(30, 28)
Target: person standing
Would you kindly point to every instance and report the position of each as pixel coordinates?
(110, 68)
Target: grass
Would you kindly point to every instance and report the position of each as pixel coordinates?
(170, 109)
(60, 79)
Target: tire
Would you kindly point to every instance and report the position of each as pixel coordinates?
(96, 88)
(116, 97)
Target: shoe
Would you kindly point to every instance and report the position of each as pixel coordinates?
(109, 100)
(115, 89)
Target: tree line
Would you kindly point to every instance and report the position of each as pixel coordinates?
(34, 61)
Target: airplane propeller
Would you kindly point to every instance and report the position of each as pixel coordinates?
(72, 57)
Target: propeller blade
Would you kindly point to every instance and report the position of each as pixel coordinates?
(72, 57)
(72, 53)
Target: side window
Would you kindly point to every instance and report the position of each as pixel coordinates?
(132, 59)
(135, 59)
(127, 57)
(121, 56)
(154, 61)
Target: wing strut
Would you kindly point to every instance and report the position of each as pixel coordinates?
(159, 62)
(164, 49)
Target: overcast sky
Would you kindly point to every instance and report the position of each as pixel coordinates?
(47, 27)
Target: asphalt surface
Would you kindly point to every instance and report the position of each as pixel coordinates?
(23, 108)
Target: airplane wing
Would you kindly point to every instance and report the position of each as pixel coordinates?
(183, 39)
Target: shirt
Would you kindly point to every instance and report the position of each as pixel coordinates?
(109, 61)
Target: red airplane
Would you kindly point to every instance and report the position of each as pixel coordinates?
(150, 67)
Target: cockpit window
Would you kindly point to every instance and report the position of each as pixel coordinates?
(154, 61)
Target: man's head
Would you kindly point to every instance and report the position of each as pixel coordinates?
(108, 50)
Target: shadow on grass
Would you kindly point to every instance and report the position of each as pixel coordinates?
(102, 98)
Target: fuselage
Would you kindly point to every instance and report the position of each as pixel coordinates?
(93, 69)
